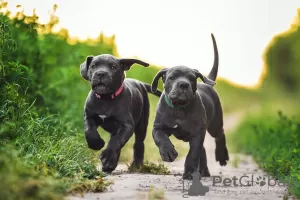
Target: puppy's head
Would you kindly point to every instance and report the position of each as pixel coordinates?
(180, 83)
(106, 72)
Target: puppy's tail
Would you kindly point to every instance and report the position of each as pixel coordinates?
(156, 93)
(214, 71)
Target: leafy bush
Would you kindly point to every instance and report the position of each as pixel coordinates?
(282, 59)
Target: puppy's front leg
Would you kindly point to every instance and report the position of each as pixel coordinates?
(166, 148)
(92, 136)
(111, 154)
(191, 164)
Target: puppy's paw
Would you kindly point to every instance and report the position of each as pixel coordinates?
(187, 176)
(95, 142)
(222, 155)
(168, 153)
(109, 159)
(137, 163)
(204, 172)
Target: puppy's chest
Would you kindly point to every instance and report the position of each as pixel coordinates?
(108, 120)
(183, 129)
(104, 113)
(182, 122)
(182, 134)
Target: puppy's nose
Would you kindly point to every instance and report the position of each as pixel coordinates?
(183, 85)
(101, 73)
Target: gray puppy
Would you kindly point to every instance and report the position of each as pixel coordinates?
(187, 110)
(120, 106)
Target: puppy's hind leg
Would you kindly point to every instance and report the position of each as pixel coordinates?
(140, 135)
(139, 147)
(216, 130)
(203, 169)
(221, 151)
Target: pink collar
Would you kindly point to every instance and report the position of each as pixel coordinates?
(113, 95)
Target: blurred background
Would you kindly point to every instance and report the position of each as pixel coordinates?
(42, 44)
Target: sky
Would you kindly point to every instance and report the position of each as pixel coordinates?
(177, 32)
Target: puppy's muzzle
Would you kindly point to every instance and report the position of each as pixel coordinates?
(179, 98)
(181, 93)
(101, 82)
(101, 74)
(184, 85)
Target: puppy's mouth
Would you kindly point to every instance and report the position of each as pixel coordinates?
(179, 100)
(100, 86)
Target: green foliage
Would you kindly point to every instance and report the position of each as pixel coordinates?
(39, 139)
(19, 181)
(43, 51)
(282, 59)
(271, 140)
(274, 143)
(50, 156)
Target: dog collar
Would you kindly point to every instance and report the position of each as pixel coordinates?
(169, 103)
(112, 96)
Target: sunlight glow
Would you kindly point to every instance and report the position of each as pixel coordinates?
(173, 32)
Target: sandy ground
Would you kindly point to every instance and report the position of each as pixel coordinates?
(137, 186)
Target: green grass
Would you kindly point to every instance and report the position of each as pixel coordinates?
(41, 158)
(150, 168)
(18, 181)
(273, 141)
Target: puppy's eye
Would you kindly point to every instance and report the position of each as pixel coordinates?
(172, 77)
(113, 66)
(193, 78)
(93, 66)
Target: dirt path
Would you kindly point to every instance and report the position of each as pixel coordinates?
(137, 186)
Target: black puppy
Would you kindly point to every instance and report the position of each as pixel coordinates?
(120, 106)
(187, 109)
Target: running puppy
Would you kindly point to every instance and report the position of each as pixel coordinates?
(120, 106)
(187, 110)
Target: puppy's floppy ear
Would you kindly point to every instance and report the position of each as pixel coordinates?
(204, 78)
(126, 63)
(84, 67)
(160, 74)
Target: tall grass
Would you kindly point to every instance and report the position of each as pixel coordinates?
(40, 157)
